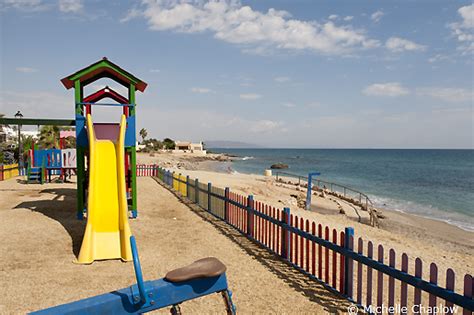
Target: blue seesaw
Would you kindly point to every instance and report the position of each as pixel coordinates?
(203, 277)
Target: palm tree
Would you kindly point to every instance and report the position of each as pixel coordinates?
(49, 136)
(143, 134)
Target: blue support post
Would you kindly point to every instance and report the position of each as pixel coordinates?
(250, 216)
(196, 191)
(348, 262)
(309, 192)
(285, 235)
(138, 271)
(209, 188)
(226, 203)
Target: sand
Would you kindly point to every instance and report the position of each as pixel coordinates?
(41, 238)
(431, 240)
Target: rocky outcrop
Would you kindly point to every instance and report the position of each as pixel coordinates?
(279, 166)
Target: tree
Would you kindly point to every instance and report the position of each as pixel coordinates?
(169, 144)
(143, 134)
(49, 137)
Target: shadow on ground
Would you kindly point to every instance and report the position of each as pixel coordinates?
(332, 302)
(62, 208)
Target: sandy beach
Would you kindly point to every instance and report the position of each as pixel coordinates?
(431, 240)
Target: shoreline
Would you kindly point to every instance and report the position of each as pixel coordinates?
(388, 208)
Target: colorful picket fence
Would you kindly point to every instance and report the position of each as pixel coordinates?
(9, 171)
(147, 170)
(370, 276)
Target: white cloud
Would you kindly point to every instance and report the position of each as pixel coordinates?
(333, 16)
(131, 14)
(386, 89)
(201, 90)
(25, 5)
(397, 44)
(376, 16)
(447, 94)
(70, 6)
(256, 32)
(250, 96)
(28, 103)
(264, 126)
(282, 79)
(289, 105)
(348, 18)
(26, 69)
(464, 30)
(438, 57)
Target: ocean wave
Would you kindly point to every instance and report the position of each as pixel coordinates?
(245, 158)
(462, 221)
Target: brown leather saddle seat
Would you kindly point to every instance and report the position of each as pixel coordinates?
(202, 268)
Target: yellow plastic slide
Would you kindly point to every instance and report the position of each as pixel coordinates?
(107, 232)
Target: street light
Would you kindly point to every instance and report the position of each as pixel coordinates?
(19, 115)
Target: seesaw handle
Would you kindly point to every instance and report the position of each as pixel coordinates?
(138, 270)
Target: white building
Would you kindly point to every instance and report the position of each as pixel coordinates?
(189, 147)
(8, 134)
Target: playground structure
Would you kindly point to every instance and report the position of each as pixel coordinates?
(43, 163)
(106, 194)
(84, 105)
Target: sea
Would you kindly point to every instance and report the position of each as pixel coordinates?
(437, 184)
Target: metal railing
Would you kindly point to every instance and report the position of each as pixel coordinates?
(344, 192)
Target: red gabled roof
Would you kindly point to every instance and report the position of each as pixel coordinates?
(103, 93)
(100, 69)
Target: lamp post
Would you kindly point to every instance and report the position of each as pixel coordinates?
(19, 115)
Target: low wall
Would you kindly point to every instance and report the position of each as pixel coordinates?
(8, 171)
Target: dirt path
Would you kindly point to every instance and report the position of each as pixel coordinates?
(41, 238)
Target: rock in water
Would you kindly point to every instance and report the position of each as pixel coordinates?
(279, 166)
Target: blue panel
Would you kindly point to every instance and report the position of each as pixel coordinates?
(51, 158)
(81, 133)
(130, 137)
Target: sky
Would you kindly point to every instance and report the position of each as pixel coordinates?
(299, 73)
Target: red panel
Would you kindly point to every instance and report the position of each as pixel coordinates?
(360, 249)
(326, 251)
(391, 280)
(370, 253)
(295, 237)
(450, 277)
(433, 280)
(334, 260)
(313, 250)
(320, 253)
(106, 131)
(307, 247)
(380, 278)
(301, 244)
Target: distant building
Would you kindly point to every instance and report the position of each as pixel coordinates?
(189, 147)
(8, 134)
